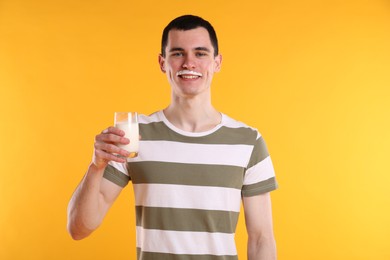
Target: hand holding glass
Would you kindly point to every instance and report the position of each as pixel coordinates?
(128, 122)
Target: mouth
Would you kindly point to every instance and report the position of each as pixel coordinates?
(188, 74)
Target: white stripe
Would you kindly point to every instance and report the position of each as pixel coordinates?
(145, 119)
(166, 151)
(161, 115)
(232, 123)
(185, 196)
(259, 172)
(183, 242)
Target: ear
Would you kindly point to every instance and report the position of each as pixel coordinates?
(161, 61)
(218, 63)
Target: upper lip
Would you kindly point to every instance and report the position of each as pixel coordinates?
(188, 72)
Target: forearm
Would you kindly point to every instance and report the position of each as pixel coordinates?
(261, 249)
(85, 210)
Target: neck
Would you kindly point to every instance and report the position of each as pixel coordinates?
(192, 114)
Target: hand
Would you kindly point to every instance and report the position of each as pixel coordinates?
(106, 148)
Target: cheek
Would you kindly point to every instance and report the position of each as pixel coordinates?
(210, 70)
(172, 68)
(170, 74)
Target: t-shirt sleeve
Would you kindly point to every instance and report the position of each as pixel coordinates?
(259, 175)
(117, 173)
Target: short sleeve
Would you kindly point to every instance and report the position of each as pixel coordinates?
(259, 175)
(117, 173)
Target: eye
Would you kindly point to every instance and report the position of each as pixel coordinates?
(177, 54)
(201, 54)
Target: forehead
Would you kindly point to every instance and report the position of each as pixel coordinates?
(194, 38)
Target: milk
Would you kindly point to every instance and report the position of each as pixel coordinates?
(131, 132)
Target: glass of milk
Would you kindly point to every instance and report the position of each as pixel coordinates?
(128, 122)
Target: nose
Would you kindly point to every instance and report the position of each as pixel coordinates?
(189, 62)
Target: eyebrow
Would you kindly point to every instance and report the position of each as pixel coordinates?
(176, 49)
(203, 49)
(197, 49)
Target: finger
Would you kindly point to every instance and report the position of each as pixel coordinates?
(111, 149)
(106, 156)
(115, 130)
(102, 155)
(111, 138)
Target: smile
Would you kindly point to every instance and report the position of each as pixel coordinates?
(188, 74)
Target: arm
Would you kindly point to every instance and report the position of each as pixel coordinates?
(258, 219)
(95, 195)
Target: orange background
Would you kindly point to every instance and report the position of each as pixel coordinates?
(312, 76)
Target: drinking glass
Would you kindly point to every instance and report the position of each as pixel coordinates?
(128, 122)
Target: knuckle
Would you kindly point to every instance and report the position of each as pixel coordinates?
(111, 129)
(112, 138)
(98, 154)
(107, 147)
(109, 137)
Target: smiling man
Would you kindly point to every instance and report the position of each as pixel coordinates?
(189, 61)
(195, 165)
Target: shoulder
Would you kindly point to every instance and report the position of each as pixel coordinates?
(240, 127)
(152, 118)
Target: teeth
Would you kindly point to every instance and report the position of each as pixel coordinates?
(188, 74)
(189, 77)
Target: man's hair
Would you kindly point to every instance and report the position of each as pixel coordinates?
(189, 22)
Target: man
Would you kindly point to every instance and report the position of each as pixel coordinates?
(194, 167)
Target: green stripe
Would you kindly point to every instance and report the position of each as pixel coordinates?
(259, 188)
(186, 219)
(259, 153)
(164, 256)
(186, 174)
(115, 176)
(158, 131)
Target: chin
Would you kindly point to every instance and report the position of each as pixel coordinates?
(187, 90)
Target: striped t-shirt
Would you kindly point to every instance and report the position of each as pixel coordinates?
(188, 186)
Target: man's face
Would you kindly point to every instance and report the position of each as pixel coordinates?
(189, 61)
